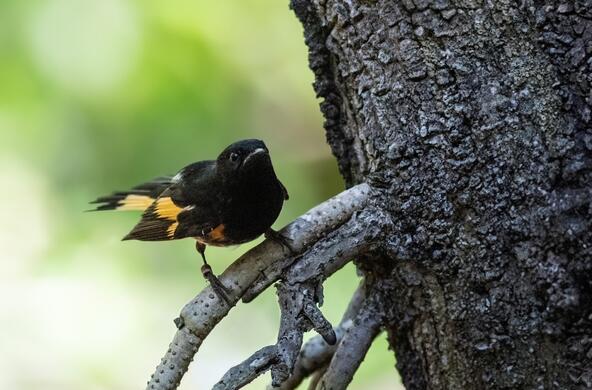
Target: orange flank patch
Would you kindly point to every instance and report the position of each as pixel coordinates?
(135, 202)
(214, 237)
(217, 234)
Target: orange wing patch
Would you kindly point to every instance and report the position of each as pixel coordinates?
(159, 221)
(165, 208)
(135, 202)
(172, 229)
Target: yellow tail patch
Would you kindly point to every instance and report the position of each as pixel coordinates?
(135, 202)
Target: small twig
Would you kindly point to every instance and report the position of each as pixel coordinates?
(244, 373)
(205, 311)
(352, 349)
(316, 353)
(320, 323)
(292, 300)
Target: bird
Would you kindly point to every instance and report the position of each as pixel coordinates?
(223, 202)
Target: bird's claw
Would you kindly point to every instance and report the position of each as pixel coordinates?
(215, 283)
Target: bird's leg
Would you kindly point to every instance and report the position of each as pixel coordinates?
(271, 234)
(208, 274)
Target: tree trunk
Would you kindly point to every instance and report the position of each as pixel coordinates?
(473, 118)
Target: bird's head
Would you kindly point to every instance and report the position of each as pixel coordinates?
(244, 158)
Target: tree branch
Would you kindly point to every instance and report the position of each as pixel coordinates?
(247, 371)
(316, 353)
(301, 289)
(330, 247)
(353, 347)
(280, 358)
(205, 311)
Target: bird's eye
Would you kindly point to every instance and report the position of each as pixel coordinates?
(233, 156)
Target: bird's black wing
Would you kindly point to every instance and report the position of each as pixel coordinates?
(187, 208)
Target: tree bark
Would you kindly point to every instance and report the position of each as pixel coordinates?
(472, 118)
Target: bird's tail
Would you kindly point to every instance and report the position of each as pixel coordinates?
(138, 198)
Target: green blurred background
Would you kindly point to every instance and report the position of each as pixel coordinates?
(97, 95)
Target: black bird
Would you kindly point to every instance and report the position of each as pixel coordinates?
(228, 201)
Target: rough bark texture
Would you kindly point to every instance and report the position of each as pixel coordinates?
(474, 120)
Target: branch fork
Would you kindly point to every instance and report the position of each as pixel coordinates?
(322, 241)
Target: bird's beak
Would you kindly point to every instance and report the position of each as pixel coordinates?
(255, 152)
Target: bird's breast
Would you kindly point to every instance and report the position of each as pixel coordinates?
(251, 211)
